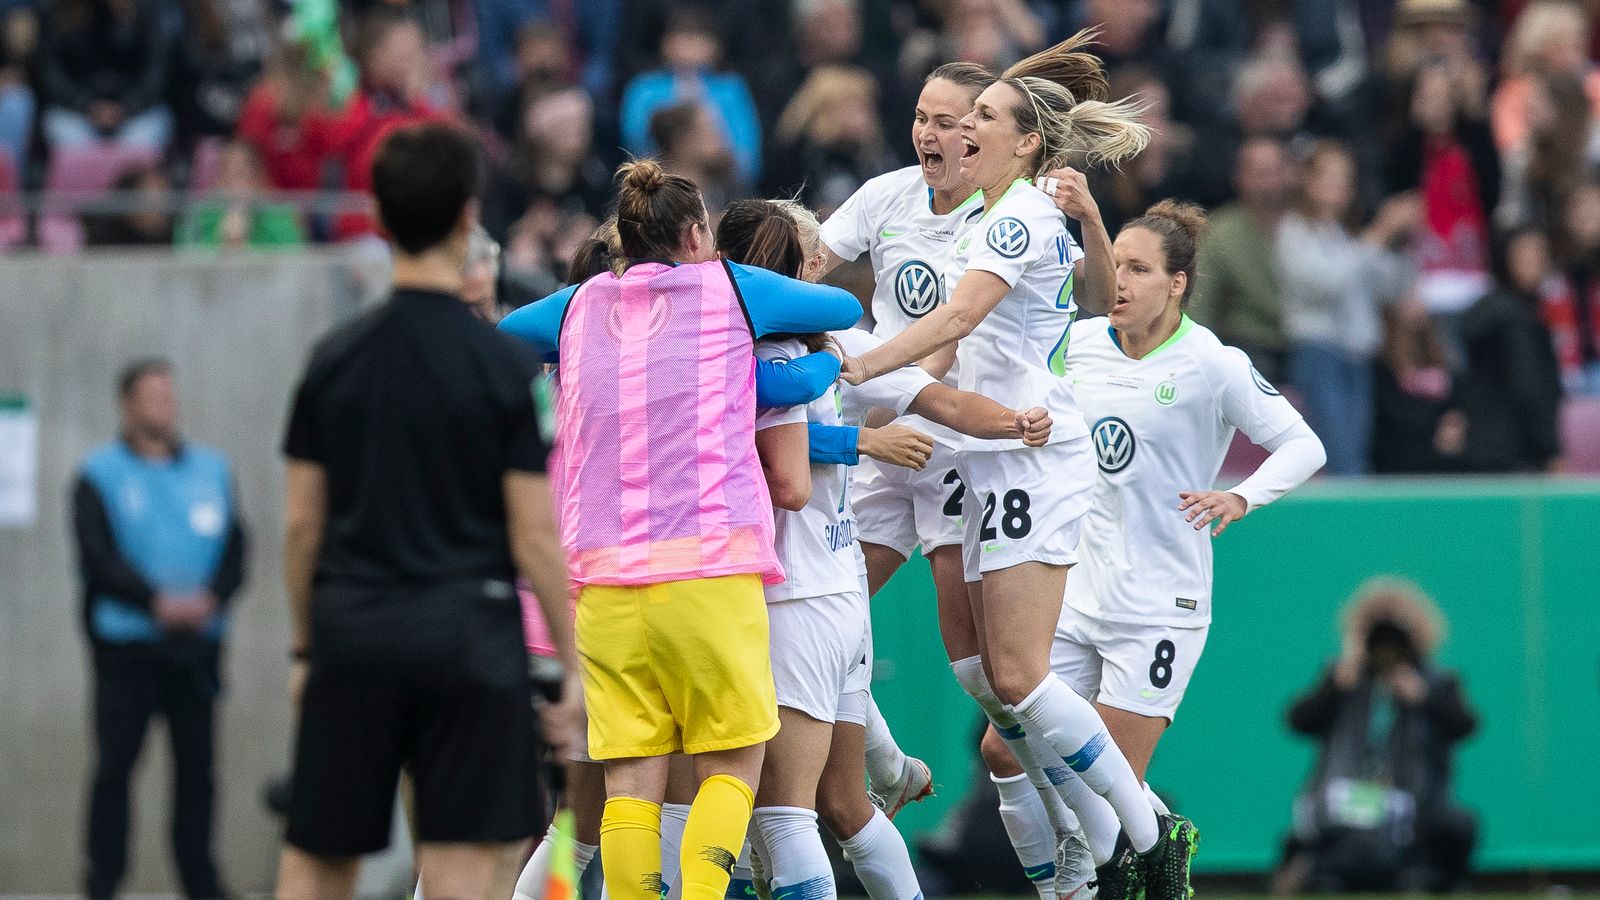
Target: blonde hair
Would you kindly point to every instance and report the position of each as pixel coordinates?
(1063, 90)
(805, 221)
(808, 112)
(1538, 23)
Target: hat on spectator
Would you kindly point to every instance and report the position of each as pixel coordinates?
(1429, 12)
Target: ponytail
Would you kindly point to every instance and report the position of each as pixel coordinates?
(1108, 132)
(653, 208)
(1067, 64)
(760, 233)
(1064, 101)
(599, 252)
(1180, 227)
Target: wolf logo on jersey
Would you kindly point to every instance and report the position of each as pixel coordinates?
(916, 288)
(1008, 237)
(1113, 444)
(1262, 383)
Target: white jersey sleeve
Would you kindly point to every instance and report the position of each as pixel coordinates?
(1297, 454)
(848, 232)
(895, 390)
(1248, 401)
(779, 351)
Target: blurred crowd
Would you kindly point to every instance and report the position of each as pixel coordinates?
(1406, 227)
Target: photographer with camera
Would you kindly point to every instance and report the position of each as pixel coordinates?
(1376, 814)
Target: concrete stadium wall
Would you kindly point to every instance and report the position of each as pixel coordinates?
(237, 330)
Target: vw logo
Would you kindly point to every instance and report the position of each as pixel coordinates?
(1008, 237)
(917, 288)
(1113, 444)
(1262, 383)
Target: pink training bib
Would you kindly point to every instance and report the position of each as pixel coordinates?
(655, 421)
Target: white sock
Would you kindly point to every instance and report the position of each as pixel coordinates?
(1028, 825)
(1156, 803)
(531, 883)
(797, 863)
(1079, 737)
(1095, 815)
(878, 853)
(742, 881)
(969, 674)
(673, 817)
(886, 762)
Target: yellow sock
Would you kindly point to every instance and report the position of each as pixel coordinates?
(712, 838)
(630, 848)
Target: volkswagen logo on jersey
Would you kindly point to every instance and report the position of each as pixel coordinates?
(917, 288)
(1113, 444)
(1008, 237)
(1262, 383)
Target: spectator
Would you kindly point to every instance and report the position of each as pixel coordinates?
(1439, 32)
(1509, 402)
(1271, 98)
(220, 53)
(399, 86)
(237, 215)
(1574, 312)
(692, 146)
(552, 173)
(1414, 389)
(1377, 814)
(543, 62)
(690, 51)
(829, 138)
(161, 551)
(1237, 295)
(1334, 283)
(992, 33)
(18, 36)
(287, 122)
(1562, 147)
(1165, 168)
(104, 71)
(826, 32)
(1550, 38)
(1444, 151)
(140, 214)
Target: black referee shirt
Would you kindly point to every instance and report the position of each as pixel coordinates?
(416, 411)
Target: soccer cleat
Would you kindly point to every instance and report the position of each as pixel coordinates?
(1075, 873)
(1122, 876)
(1167, 864)
(915, 784)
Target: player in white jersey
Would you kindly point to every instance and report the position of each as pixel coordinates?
(1010, 301)
(1162, 398)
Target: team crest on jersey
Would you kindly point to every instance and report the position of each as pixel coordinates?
(916, 287)
(1113, 444)
(1262, 383)
(1008, 237)
(1167, 392)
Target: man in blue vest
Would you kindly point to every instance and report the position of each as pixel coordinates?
(161, 552)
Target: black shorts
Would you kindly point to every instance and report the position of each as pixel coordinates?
(433, 681)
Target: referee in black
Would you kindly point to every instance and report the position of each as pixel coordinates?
(416, 493)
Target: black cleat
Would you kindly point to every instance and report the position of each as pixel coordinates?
(1122, 876)
(1166, 866)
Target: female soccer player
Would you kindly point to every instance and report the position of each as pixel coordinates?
(819, 617)
(667, 521)
(1010, 303)
(1163, 398)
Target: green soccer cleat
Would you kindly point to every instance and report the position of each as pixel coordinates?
(1122, 876)
(1166, 866)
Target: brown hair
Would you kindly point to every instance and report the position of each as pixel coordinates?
(761, 233)
(1321, 150)
(1179, 225)
(653, 208)
(598, 253)
(969, 75)
(1063, 101)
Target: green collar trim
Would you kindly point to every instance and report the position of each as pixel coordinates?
(1185, 325)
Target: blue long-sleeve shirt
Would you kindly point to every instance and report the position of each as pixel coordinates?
(725, 94)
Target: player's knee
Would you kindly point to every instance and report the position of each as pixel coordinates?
(1013, 684)
(997, 756)
(843, 814)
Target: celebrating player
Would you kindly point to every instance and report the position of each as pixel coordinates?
(1010, 305)
(668, 522)
(1162, 397)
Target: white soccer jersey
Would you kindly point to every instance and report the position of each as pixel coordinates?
(817, 545)
(1159, 425)
(1017, 354)
(890, 217)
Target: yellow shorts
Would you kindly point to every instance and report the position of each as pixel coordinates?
(680, 666)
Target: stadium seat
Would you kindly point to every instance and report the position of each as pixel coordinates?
(1580, 434)
(13, 221)
(76, 175)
